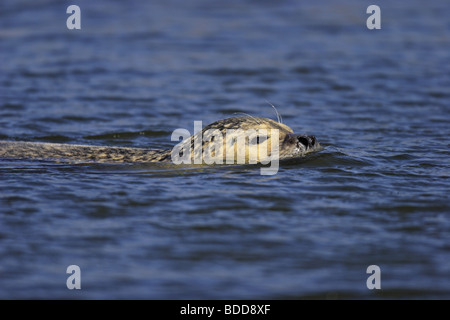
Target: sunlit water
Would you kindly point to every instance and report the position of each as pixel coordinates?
(378, 101)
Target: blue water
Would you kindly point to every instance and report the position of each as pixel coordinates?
(377, 100)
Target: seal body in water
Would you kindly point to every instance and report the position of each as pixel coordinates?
(261, 133)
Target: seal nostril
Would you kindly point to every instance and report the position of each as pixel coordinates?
(313, 140)
(303, 140)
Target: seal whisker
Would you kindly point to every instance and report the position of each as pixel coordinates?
(279, 118)
(248, 116)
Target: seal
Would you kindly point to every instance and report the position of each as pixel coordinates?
(262, 133)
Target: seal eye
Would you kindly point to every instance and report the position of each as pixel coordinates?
(258, 140)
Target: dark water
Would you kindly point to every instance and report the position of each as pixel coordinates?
(378, 194)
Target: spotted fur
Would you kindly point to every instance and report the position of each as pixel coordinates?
(290, 145)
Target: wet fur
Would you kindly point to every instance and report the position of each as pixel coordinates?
(288, 146)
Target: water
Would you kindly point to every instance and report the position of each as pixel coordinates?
(376, 195)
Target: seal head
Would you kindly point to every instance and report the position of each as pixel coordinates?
(251, 139)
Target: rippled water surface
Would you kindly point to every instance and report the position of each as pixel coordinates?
(378, 100)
